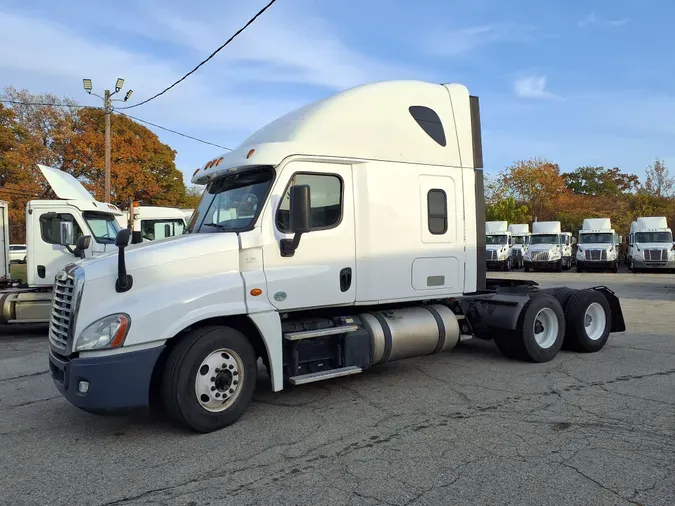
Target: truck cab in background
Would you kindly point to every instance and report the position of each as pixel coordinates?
(498, 244)
(58, 232)
(549, 247)
(151, 223)
(598, 246)
(520, 233)
(650, 244)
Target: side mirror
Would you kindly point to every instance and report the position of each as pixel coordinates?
(82, 245)
(124, 281)
(300, 222)
(66, 233)
(301, 206)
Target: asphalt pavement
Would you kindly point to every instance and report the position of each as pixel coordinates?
(463, 427)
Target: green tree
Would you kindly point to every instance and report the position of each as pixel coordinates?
(507, 209)
(596, 181)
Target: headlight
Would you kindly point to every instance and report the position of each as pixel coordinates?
(108, 332)
(637, 255)
(611, 254)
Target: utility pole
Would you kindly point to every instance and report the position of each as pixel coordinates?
(107, 110)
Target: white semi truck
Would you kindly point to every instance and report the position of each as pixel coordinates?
(151, 223)
(58, 232)
(498, 243)
(549, 247)
(342, 236)
(598, 245)
(650, 244)
(520, 233)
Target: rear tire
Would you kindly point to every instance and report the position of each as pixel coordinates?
(540, 334)
(202, 395)
(588, 321)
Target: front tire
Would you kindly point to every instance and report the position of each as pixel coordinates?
(540, 334)
(559, 266)
(209, 378)
(588, 321)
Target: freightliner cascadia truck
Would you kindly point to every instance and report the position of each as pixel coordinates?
(341, 236)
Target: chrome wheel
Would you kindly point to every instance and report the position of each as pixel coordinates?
(595, 321)
(546, 328)
(219, 380)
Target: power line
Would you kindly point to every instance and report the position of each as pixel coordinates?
(16, 102)
(175, 132)
(250, 21)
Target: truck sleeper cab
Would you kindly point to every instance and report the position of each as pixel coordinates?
(342, 236)
(598, 246)
(549, 247)
(498, 244)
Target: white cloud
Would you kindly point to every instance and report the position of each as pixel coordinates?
(463, 41)
(532, 87)
(152, 45)
(592, 19)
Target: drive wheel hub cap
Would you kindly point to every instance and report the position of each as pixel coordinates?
(595, 321)
(219, 380)
(546, 328)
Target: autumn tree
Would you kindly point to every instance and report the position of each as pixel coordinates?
(659, 182)
(599, 181)
(193, 194)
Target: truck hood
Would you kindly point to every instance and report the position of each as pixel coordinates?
(654, 245)
(64, 185)
(495, 246)
(175, 256)
(596, 245)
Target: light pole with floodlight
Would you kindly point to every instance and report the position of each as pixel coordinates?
(107, 108)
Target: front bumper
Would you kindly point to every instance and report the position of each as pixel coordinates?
(496, 264)
(597, 264)
(540, 264)
(117, 383)
(653, 264)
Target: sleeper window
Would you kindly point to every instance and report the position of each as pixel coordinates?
(437, 211)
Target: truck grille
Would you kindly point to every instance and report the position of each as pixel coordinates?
(596, 254)
(62, 310)
(657, 255)
(517, 253)
(540, 256)
(491, 255)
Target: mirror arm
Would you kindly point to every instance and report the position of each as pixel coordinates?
(288, 246)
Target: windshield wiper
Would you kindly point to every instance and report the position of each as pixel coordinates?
(215, 225)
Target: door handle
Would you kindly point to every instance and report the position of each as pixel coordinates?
(345, 279)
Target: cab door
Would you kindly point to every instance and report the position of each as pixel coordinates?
(321, 271)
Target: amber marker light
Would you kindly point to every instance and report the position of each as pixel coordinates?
(256, 291)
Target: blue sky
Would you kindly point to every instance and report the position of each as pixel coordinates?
(579, 82)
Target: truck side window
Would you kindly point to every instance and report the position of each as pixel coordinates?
(50, 228)
(437, 211)
(326, 201)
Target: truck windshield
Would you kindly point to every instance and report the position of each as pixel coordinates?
(232, 203)
(595, 238)
(653, 237)
(103, 226)
(545, 239)
(495, 239)
(519, 239)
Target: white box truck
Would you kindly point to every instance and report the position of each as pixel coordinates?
(520, 234)
(342, 236)
(598, 245)
(650, 244)
(549, 247)
(498, 245)
(4, 242)
(152, 223)
(57, 233)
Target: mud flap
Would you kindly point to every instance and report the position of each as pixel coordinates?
(618, 322)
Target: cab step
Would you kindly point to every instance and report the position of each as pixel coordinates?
(329, 331)
(324, 375)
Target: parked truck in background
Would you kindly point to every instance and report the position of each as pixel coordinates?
(598, 245)
(58, 232)
(498, 245)
(4, 242)
(650, 244)
(151, 223)
(520, 235)
(342, 236)
(549, 247)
